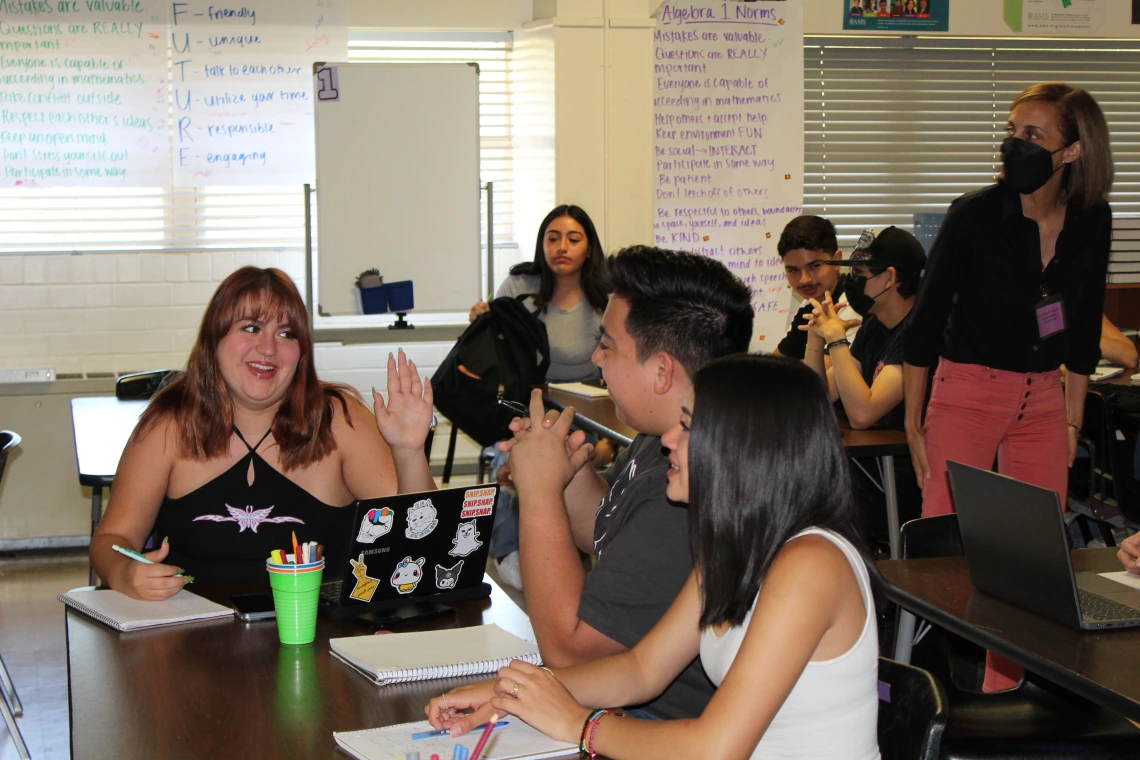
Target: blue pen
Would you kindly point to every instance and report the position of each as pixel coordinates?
(138, 557)
(445, 732)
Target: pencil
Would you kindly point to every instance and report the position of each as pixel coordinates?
(485, 737)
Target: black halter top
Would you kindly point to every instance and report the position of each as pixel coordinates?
(226, 529)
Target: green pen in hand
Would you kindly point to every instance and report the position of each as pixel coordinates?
(140, 558)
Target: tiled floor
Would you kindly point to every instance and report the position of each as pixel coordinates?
(34, 647)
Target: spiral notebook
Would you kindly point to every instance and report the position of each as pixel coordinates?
(513, 741)
(126, 614)
(420, 656)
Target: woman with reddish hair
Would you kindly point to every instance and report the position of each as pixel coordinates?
(248, 446)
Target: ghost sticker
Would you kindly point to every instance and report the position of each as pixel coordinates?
(407, 575)
(376, 523)
(447, 577)
(365, 587)
(421, 519)
(466, 540)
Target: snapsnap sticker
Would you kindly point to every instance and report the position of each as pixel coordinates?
(365, 587)
(466, 540)
(408, 575)
(477, 502)
(376, 523)
(421, 519)
(447, 577)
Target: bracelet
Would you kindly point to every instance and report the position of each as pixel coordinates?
(590, 739)
(834, 343)
(583, 744)
(1075, 427)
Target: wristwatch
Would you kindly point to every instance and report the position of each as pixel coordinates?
(834, 343)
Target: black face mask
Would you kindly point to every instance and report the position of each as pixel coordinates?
(1027, 166)
(856, 292)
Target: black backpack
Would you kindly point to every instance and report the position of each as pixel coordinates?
(504, 352)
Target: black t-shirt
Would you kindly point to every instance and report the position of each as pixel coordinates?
(875, 347)
(794, 344)
(641, 545)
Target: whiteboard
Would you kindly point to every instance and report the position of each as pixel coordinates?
(397, 151)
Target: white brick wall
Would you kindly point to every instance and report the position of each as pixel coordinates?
(112, 312)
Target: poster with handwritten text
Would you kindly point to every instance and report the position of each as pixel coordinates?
(83, 93)
(243, 87)
(728, 108)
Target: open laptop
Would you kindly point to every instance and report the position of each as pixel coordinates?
(422, 547)
(1017, 549)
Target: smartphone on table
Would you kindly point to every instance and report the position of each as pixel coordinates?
(406, 614)
(250, 607)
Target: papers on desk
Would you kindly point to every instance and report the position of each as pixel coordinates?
(126, 614)
(514, 740)
(1128, 579)
(423, 655)
(1104, 372)
(581, 389)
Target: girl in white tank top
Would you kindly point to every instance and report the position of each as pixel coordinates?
(778, 608)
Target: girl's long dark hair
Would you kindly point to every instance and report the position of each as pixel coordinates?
(593, 272)
(766, 461)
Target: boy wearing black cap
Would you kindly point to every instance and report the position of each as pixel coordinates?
(866, 375)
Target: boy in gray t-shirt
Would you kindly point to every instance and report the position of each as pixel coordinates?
(671, 313)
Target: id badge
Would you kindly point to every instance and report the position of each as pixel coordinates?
(1050, 316)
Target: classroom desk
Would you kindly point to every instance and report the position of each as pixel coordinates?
(1102, 667)
(102, 426)
(226, 689)
(598, 416)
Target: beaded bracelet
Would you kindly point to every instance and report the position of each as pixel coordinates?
(582, 744)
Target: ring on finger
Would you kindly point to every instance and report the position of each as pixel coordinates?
(515, 691)
(444, 698)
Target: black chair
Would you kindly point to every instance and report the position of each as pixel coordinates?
(1037, 720)
(912, 712)
(1103, 494)
(140, 386)
(9, 700)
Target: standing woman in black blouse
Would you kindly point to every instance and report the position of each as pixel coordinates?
(1018, 270)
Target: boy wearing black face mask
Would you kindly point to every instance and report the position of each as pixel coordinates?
(866, 375)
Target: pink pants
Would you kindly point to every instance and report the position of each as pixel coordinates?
(977, 413)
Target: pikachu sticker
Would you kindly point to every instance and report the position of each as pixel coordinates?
(365, 587)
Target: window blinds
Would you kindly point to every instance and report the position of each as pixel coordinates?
(254, 218)
(895, 126)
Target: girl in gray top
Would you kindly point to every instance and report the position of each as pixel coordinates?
(567, 278)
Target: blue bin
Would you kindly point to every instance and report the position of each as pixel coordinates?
(374, 300)
(400, 296)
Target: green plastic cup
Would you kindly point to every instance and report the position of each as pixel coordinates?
(296, 589)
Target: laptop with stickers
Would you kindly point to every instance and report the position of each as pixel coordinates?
(429, 547)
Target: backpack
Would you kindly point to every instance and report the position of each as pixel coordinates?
(504, 352)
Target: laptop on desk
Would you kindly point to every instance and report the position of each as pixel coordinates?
(1017, 549)
(422, 547)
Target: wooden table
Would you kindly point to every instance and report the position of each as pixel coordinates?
(102, 426)
(598, 416)
(227, 689)
(1103, 667)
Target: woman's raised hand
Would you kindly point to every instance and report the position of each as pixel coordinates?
(405, 419)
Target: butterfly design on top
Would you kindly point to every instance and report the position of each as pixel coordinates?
(248, 518)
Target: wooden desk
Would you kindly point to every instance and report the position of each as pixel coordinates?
(102, 426)
(1103, 667)
(227, 689)
(598, 416)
